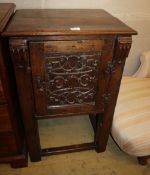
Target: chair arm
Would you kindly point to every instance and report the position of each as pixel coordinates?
(144, 69)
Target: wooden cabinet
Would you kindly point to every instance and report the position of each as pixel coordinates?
(12, 140)
(67, 62)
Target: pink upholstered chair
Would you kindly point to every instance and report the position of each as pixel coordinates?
(131, 122)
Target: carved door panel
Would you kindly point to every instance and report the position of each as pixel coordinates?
(66, 76)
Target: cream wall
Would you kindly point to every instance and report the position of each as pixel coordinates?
(135, 13)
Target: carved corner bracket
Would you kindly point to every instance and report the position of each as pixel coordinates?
(19, 53)
(122, 48)
(121, 51)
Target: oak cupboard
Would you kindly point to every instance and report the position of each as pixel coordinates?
(67, 62)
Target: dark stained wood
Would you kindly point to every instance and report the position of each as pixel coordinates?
(96, 121)
(16, 160)
(2, 95)
(21, 160)
(59, 22)
(67, 111)
(67, 149)
(115, 70)
(20, 163)
(5, 123)
(6, 11)
(77, 46)
(93, 120)
(12, 138)
(19, 52)
(8, 145)
(143, 160)
(72, 88)
(60, 72)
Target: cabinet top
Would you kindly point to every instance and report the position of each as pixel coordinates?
(6, 10)
(29, 22)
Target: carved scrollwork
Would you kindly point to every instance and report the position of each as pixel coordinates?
(71, 79)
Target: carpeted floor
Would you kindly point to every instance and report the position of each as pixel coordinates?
(75, 130)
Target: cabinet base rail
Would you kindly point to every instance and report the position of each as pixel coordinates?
(67, 149)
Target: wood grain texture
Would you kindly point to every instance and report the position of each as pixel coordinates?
(66, 81)
(47, 56)
(8, 145)
(121, 51)
(67, 149)
(5, 122)
(12, 138)
(20, 56)
(6, 11)
(59, 22)
(2, 95)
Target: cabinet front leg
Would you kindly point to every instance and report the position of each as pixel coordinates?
(114, 71)
(33, 144)
(21, 62)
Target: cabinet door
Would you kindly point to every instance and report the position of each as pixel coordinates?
(67, 76)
